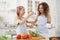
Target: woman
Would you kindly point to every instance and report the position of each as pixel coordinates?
(42, 19)
(21, 21)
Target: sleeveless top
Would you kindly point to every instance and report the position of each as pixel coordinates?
(42, 25)
(22, 29)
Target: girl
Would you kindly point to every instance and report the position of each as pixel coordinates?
(42, 19)
(21, 21)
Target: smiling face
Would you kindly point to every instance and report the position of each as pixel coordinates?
(20, 11)
(41, 9)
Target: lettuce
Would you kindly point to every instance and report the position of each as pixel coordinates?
(4, 38)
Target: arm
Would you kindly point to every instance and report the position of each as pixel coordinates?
(35, 20)
(25, 19)
(49, 19)
(22, 21)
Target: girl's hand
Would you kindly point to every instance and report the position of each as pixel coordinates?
(30, 13)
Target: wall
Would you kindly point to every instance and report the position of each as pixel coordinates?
(58, 18)
(13, 5)
(9, 12)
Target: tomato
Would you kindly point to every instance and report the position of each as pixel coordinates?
(18, 36)
(54, 38)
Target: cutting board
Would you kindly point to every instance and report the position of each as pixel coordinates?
(39, 37)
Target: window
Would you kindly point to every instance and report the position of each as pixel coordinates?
(32, 4)
(29, 5)
(36, 6)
